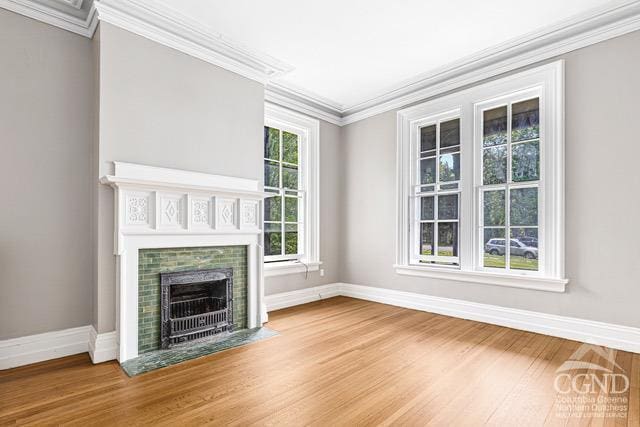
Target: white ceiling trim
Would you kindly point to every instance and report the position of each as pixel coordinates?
(578, 32)
(76, 4)
(303, 102)
(158, 22)
(163, 25)
(51, 16)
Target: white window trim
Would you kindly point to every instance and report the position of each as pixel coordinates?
(309, 129)
(549, 80)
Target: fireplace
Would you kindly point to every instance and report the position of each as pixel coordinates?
(158, 210)
(195, 304)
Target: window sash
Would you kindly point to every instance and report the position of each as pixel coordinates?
(417, 192)
(478, 260)
(284, 193)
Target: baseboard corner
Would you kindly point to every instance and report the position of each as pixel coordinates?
(102, 347)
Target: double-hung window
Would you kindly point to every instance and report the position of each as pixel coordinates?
(284, 209)
(291, 214)
(509, 182)
(481, 183)
(437, 190)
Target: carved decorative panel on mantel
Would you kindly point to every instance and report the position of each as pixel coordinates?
(159, 200)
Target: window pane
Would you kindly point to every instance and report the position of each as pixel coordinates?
(428, 138)
(291, 239)
(524, 249)
(453, 186)
(291, 209)
(290, 147)
(494, 127)
(525, 161)
(494, 250)
(426, 239)
(273, 239)
(450, 167)
(494, 165)
(273, 208)
(448, 239)
(448, 206)
(271, 143)
(426, 208)
(525, 120)
(524, 206)
(290, 177)
(450, 133)
(494, 207)
(271, 174)
(428, 171)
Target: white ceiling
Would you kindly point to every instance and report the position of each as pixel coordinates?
(349, 51)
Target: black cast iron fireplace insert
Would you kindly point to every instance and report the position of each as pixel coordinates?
(195, 304)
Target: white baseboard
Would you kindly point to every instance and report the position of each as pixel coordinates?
(37, 348)
(606, 334)
(302, 296)
(52, 345)
(102, 347)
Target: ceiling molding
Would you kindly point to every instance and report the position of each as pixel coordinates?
(56, 17)
(157, 22)
(303, 102)
(76, 4)
(572, 34)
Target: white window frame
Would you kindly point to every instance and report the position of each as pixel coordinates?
(308, 131)
(414, 232)
(545, 82)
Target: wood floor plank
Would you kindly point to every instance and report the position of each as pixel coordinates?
(337, 362)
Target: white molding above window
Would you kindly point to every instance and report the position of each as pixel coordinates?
(548, 83)
(309, 130)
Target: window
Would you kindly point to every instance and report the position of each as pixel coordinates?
(283, 210)
(480, 184)
(510, 153)
(437, 191)
(290, 178)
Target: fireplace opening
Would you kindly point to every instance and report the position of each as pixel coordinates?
(195, 304)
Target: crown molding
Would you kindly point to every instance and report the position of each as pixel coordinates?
(593, 27)
(58, 18)
(168, 27)
(584, 30)
(303, 102)
(157, 22)
(76, 4)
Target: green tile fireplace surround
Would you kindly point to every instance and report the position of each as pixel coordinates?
(152, 262)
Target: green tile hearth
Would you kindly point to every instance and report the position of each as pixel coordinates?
(152, 262)
(191, 350)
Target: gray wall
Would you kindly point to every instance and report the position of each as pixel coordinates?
(602, 206)
(46, 82)
(329, 219)
(161, 107)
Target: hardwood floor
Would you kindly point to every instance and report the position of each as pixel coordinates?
(337, 362)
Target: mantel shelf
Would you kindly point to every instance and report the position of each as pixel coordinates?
(116, 181)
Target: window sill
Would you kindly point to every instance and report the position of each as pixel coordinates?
(511, 280)
(289, 267)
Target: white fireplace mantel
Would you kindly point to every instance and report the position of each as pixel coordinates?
(167, 208)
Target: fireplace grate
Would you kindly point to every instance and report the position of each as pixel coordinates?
(195, 304)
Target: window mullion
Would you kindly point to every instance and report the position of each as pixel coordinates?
(507, 195)
(282, 198)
